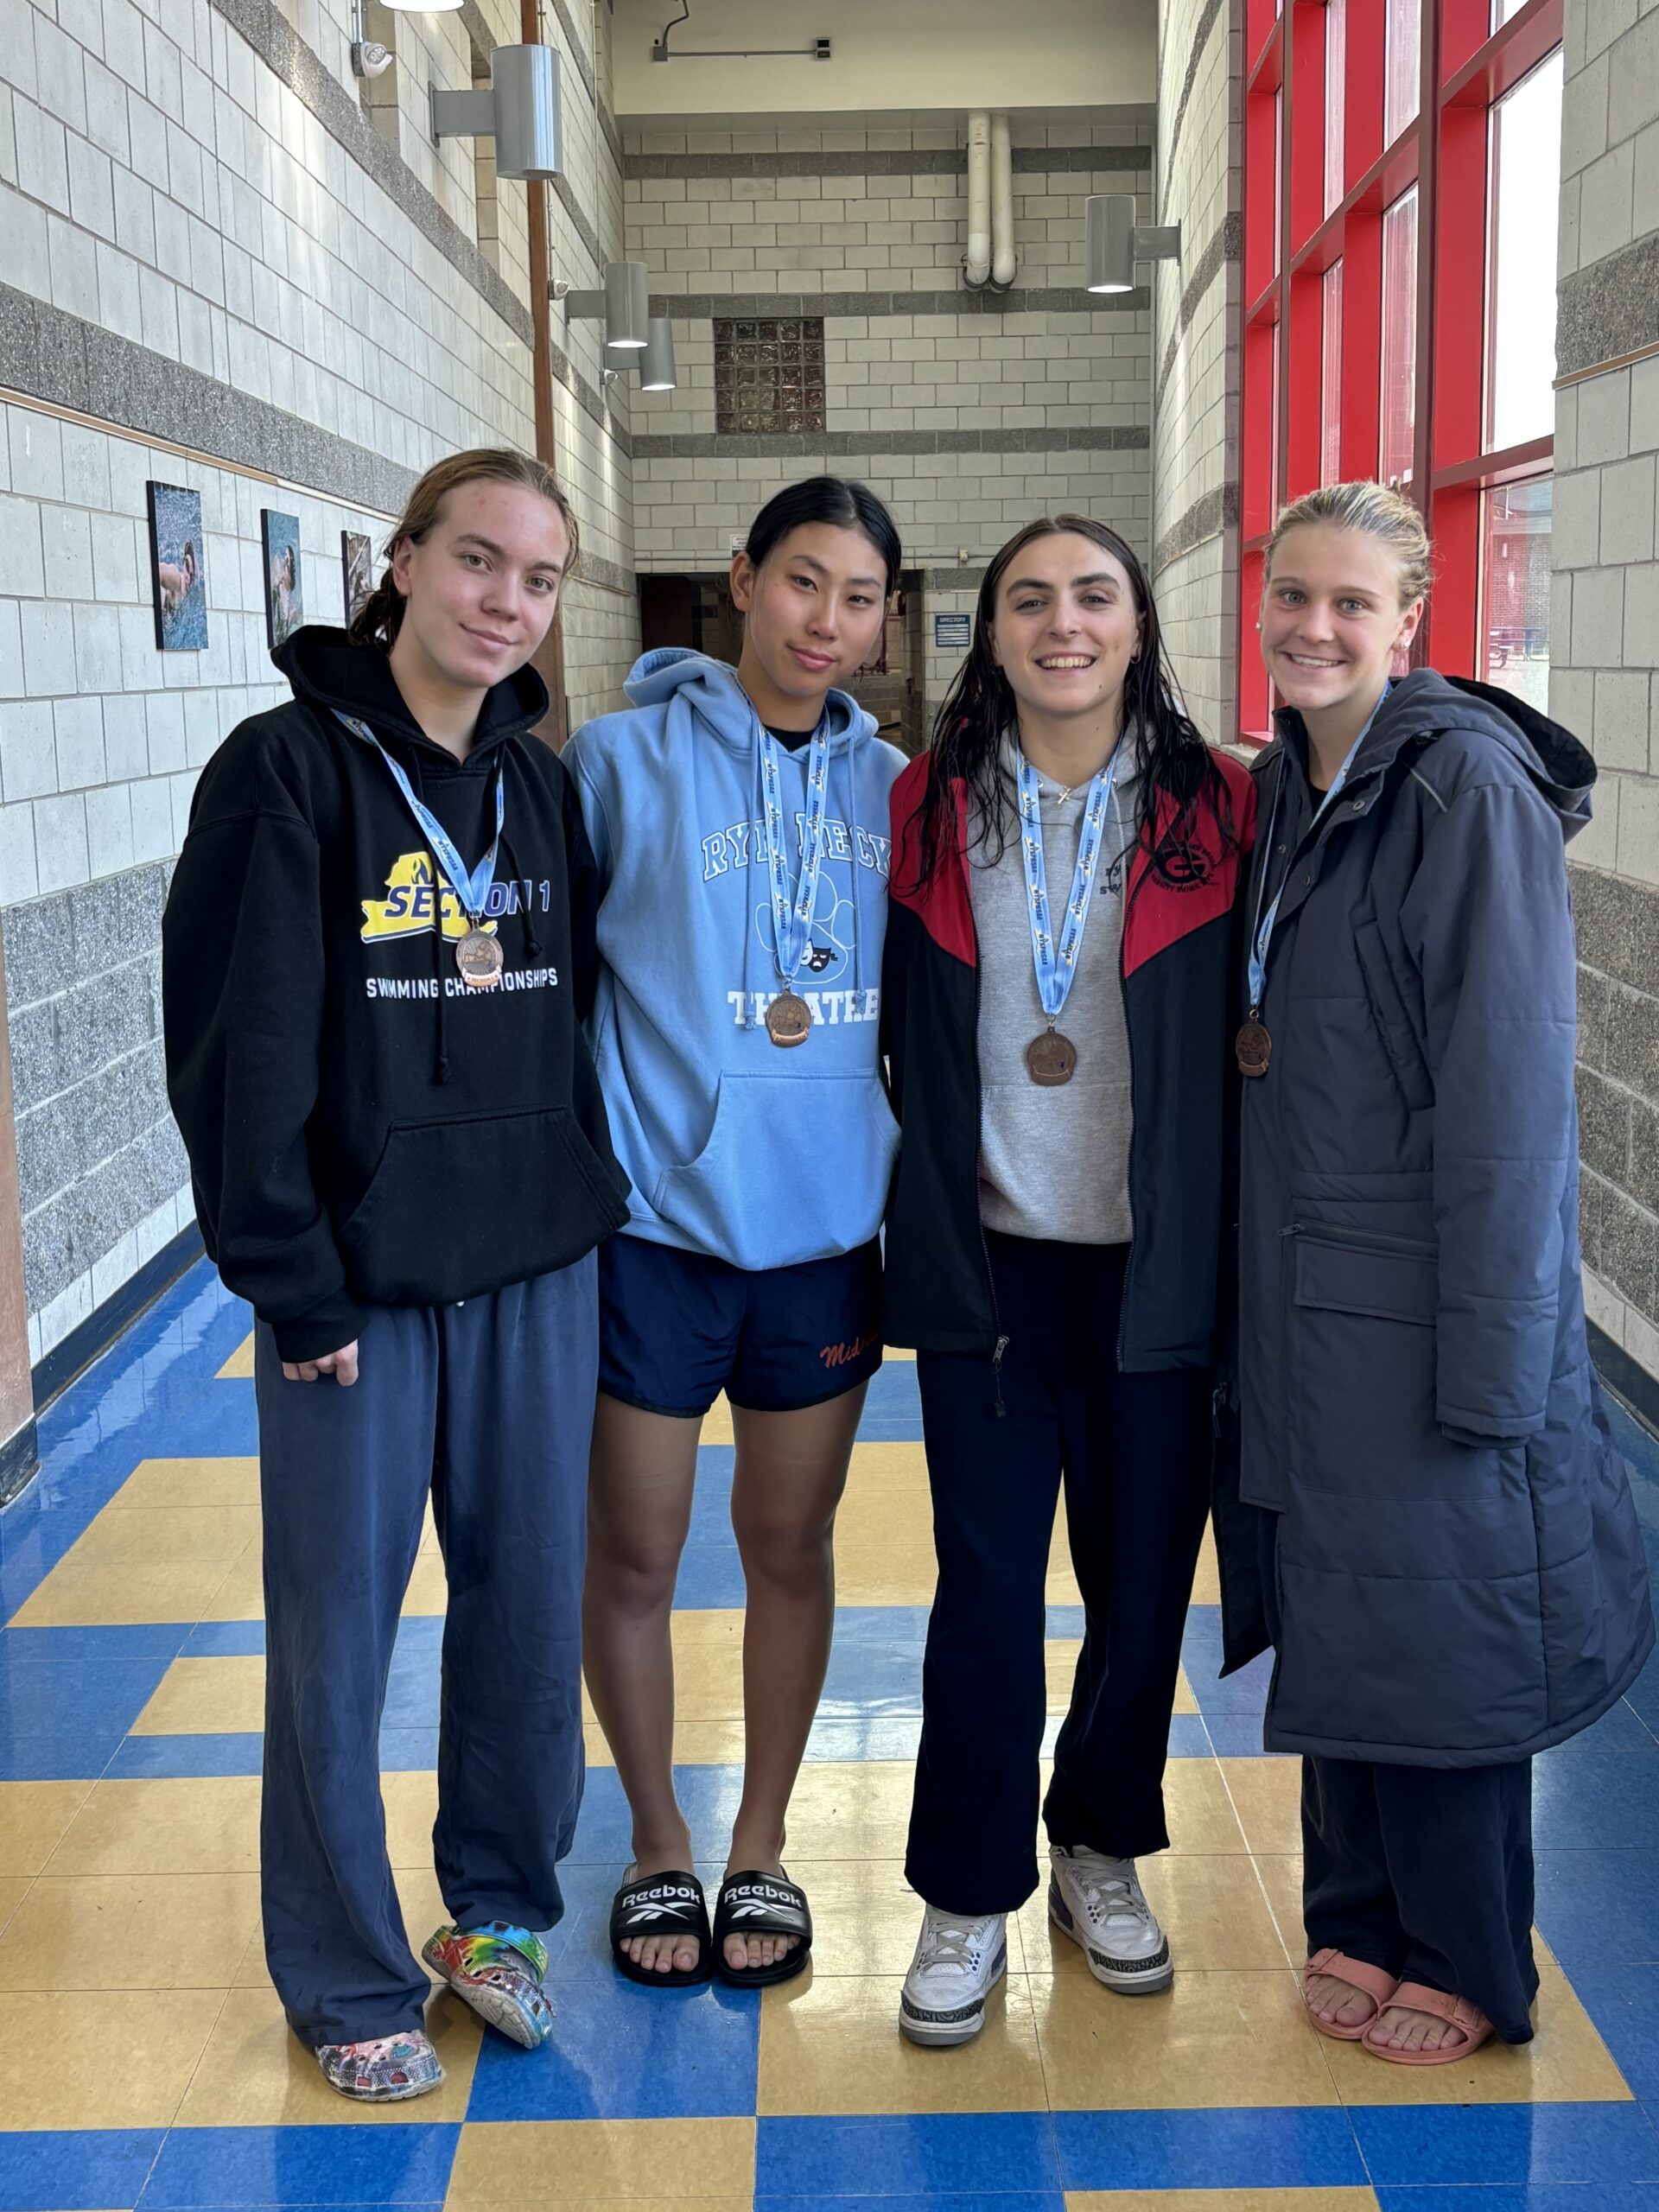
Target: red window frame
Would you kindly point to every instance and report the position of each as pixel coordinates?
(1289, 241)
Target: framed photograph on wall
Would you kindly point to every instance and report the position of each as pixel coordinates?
(357, 560)
(178, 576)
(284, 603)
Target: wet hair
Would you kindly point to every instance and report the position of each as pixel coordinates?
(1380, 513)
(1177, 769)
(377, 621)
(836, 499)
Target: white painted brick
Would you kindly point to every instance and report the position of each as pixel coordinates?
(1621, 720)
(19, 877)
(61, 841)
(48, 647)
(1627, 511)
(28, 766)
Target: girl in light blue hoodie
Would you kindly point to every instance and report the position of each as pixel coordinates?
(739, 820)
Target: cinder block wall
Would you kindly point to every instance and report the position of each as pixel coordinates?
(967, 412)
(1603, 635)
(222, 269)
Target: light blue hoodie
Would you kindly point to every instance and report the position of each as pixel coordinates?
(757, 1154)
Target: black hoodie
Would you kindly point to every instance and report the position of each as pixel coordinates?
(364, 1127)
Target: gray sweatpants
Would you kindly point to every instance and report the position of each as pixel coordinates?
(487, 1405)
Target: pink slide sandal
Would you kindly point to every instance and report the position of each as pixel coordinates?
(1417, 1996)
(1370, 1981)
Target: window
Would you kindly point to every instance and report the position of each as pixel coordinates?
(1399, 393)
(1330, 380)
(1524, 198)
(1401, 162)
(769, 376)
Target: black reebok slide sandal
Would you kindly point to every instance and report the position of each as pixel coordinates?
(761, 1904)
(661, 1904)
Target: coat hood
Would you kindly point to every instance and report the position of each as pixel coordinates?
(330, 671)
(711, 689)
(1428, 705)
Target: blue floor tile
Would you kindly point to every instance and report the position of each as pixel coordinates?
(86, 1647)
(1606, 1801)
(64, 1757)
(962, 2156)
(1235, 1736)
(1599, 1909)
(1623, 2003)
(186, 1757)
(225, 1640)
(85, 2169)
(1548, 2197)
(1277, 2147)
(620, 2052)
(1512, 2145)
(1243, 1694)
(85, 1696)
(400, 2163)
(1034, 2201)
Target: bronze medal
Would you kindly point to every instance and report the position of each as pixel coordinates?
(788, 1019)
(1252, 1048)
(480, 959)
(1051, 1059)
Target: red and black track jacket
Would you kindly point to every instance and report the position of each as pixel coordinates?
(1179, 995)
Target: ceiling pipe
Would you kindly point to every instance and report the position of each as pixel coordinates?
(1004, 261)
(976, 262)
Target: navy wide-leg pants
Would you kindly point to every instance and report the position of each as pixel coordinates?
(487, 1406)
(1134, 1452)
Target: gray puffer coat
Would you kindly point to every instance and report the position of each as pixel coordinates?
(1459, 1572)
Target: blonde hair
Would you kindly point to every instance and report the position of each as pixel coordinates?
(377, 621)
(1373, 508)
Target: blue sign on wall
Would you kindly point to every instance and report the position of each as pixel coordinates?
(952, 633)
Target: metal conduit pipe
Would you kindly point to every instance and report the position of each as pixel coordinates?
(976, 262)
(1004, 263)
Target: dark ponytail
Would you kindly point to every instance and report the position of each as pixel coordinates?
(836, 499)
(1177, 771)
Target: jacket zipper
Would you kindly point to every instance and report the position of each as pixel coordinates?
(1360, 1240)
(1132, 893)
(999, 1411)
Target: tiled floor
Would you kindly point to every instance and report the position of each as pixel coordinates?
(143, 2060)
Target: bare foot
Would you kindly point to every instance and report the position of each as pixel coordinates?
(746, 1952)
(1402, 2029)
(1337, 2003)
(676, 1953)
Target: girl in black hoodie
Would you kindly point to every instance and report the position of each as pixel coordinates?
(376, 955)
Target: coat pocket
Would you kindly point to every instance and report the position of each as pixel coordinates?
(457, 1208)
(1394, 1027)
(1362, 1368)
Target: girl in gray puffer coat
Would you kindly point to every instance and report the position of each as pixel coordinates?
(1452, 1570)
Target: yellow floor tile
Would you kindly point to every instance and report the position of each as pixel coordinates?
(544, 2204)
(239, 1366)
(239, 1592)
(196, 1825)
(1268, 1793)
(1281, 1877)
(707, 1667)
(13, 1890)
(842, 1809)
(1212, 2039)
(831, 2043)
(884, 1531)
(1061, 1582)
(1567, 2062)
(1220, 2200)
(1213, 1910)
(32, 1817)
(55, 2055)
(1206, 1583)
(603, 2161)
(162, 1565)
(130, 1931)
(155, 1482)
(1060, 1654)
(412, 1807)
(696, 1743)
(255, 2072)
(427, 1591)
(716, 1423)
(1198, 1809)
(866, 1917)
(214, 1696)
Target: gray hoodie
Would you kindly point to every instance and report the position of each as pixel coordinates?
(1460, 1574)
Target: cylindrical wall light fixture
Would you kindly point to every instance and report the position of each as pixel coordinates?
(525, 85)
(628, 303)
(657, 362)
(1113, 242)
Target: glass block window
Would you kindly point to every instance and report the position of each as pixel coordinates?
(769, 375)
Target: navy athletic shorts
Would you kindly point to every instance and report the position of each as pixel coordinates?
(678, 1328)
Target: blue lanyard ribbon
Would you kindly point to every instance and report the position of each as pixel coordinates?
(1261, 934)
(1056, 965)
(471, 886)
(790, 928)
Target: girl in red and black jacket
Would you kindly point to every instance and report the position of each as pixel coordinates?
(1056, 996)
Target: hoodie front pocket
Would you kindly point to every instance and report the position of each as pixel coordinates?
(796, 1168)
(458, 1208)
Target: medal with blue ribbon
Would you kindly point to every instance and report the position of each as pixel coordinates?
(1051, 1057)
(478, 954)
(789, 1018)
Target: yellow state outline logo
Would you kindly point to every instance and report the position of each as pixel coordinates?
(406, 910)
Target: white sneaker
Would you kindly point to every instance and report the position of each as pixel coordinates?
(1100, 1904)
(958, 1962)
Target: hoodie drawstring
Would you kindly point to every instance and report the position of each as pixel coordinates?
(440, 1040)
